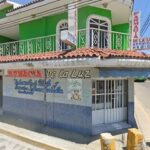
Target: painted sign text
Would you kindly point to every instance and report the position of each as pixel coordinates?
(31, 86)
(25, 73)
(82, 74)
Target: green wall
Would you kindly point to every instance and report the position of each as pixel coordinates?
(4, 11)
(35, 28)
(85, 12)
(40, 27)
(2, 15)
(52, 21)
(4, 39)
(123, 39)
(47, 26)
(121, 28)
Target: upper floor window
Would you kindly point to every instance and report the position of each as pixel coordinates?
(62, 25)
(99, 35)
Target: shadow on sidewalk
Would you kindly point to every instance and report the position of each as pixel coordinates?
(59, 133)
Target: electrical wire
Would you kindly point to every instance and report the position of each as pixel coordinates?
(145, 9)
(145, 24)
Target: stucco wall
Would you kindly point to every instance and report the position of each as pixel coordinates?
(57, 108)
(47, 25)
(131, 108)
(4, 11)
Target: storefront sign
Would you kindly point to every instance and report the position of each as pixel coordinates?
(69, 74)
(141, 44)
(31, 86)
(62, 73)
(25, 73)
(136, 25)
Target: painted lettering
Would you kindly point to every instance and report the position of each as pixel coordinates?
(25, 73)
(87, 74)
(63, 74)
(74, 74)
(31, 86)
(80, 74)
(51, 74)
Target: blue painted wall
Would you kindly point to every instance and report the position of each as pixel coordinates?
(71, 117)
(131, 117)
(27, 108)
(124, 72)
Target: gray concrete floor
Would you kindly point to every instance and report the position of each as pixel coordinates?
(8, 143)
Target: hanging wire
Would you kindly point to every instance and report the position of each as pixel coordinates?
(146, 23)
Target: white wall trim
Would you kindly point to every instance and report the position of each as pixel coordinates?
(57, 32)
(78, 62)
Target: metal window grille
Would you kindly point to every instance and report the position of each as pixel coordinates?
(98, 34)
(109, 94)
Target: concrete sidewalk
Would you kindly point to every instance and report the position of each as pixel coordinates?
(53, 139)
(10, 143)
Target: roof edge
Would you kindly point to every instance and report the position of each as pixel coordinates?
(78, 62)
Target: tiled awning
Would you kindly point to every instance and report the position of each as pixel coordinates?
(78, 53)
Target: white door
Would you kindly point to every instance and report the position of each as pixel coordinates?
(109, 101)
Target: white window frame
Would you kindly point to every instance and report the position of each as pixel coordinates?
(88, 28)
(64, 21)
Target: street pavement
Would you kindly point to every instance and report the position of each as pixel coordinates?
(142, 109)
(142, 94)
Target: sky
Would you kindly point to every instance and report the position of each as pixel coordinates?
(143, 6)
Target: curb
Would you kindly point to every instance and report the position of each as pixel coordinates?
(28, 140)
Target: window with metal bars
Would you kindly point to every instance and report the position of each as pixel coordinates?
(109, 94)
(99, 35)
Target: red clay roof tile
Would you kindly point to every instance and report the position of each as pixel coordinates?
(78, 53)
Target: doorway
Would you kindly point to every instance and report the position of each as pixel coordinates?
(109, 101)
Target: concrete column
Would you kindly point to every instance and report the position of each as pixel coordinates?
(131, 118)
